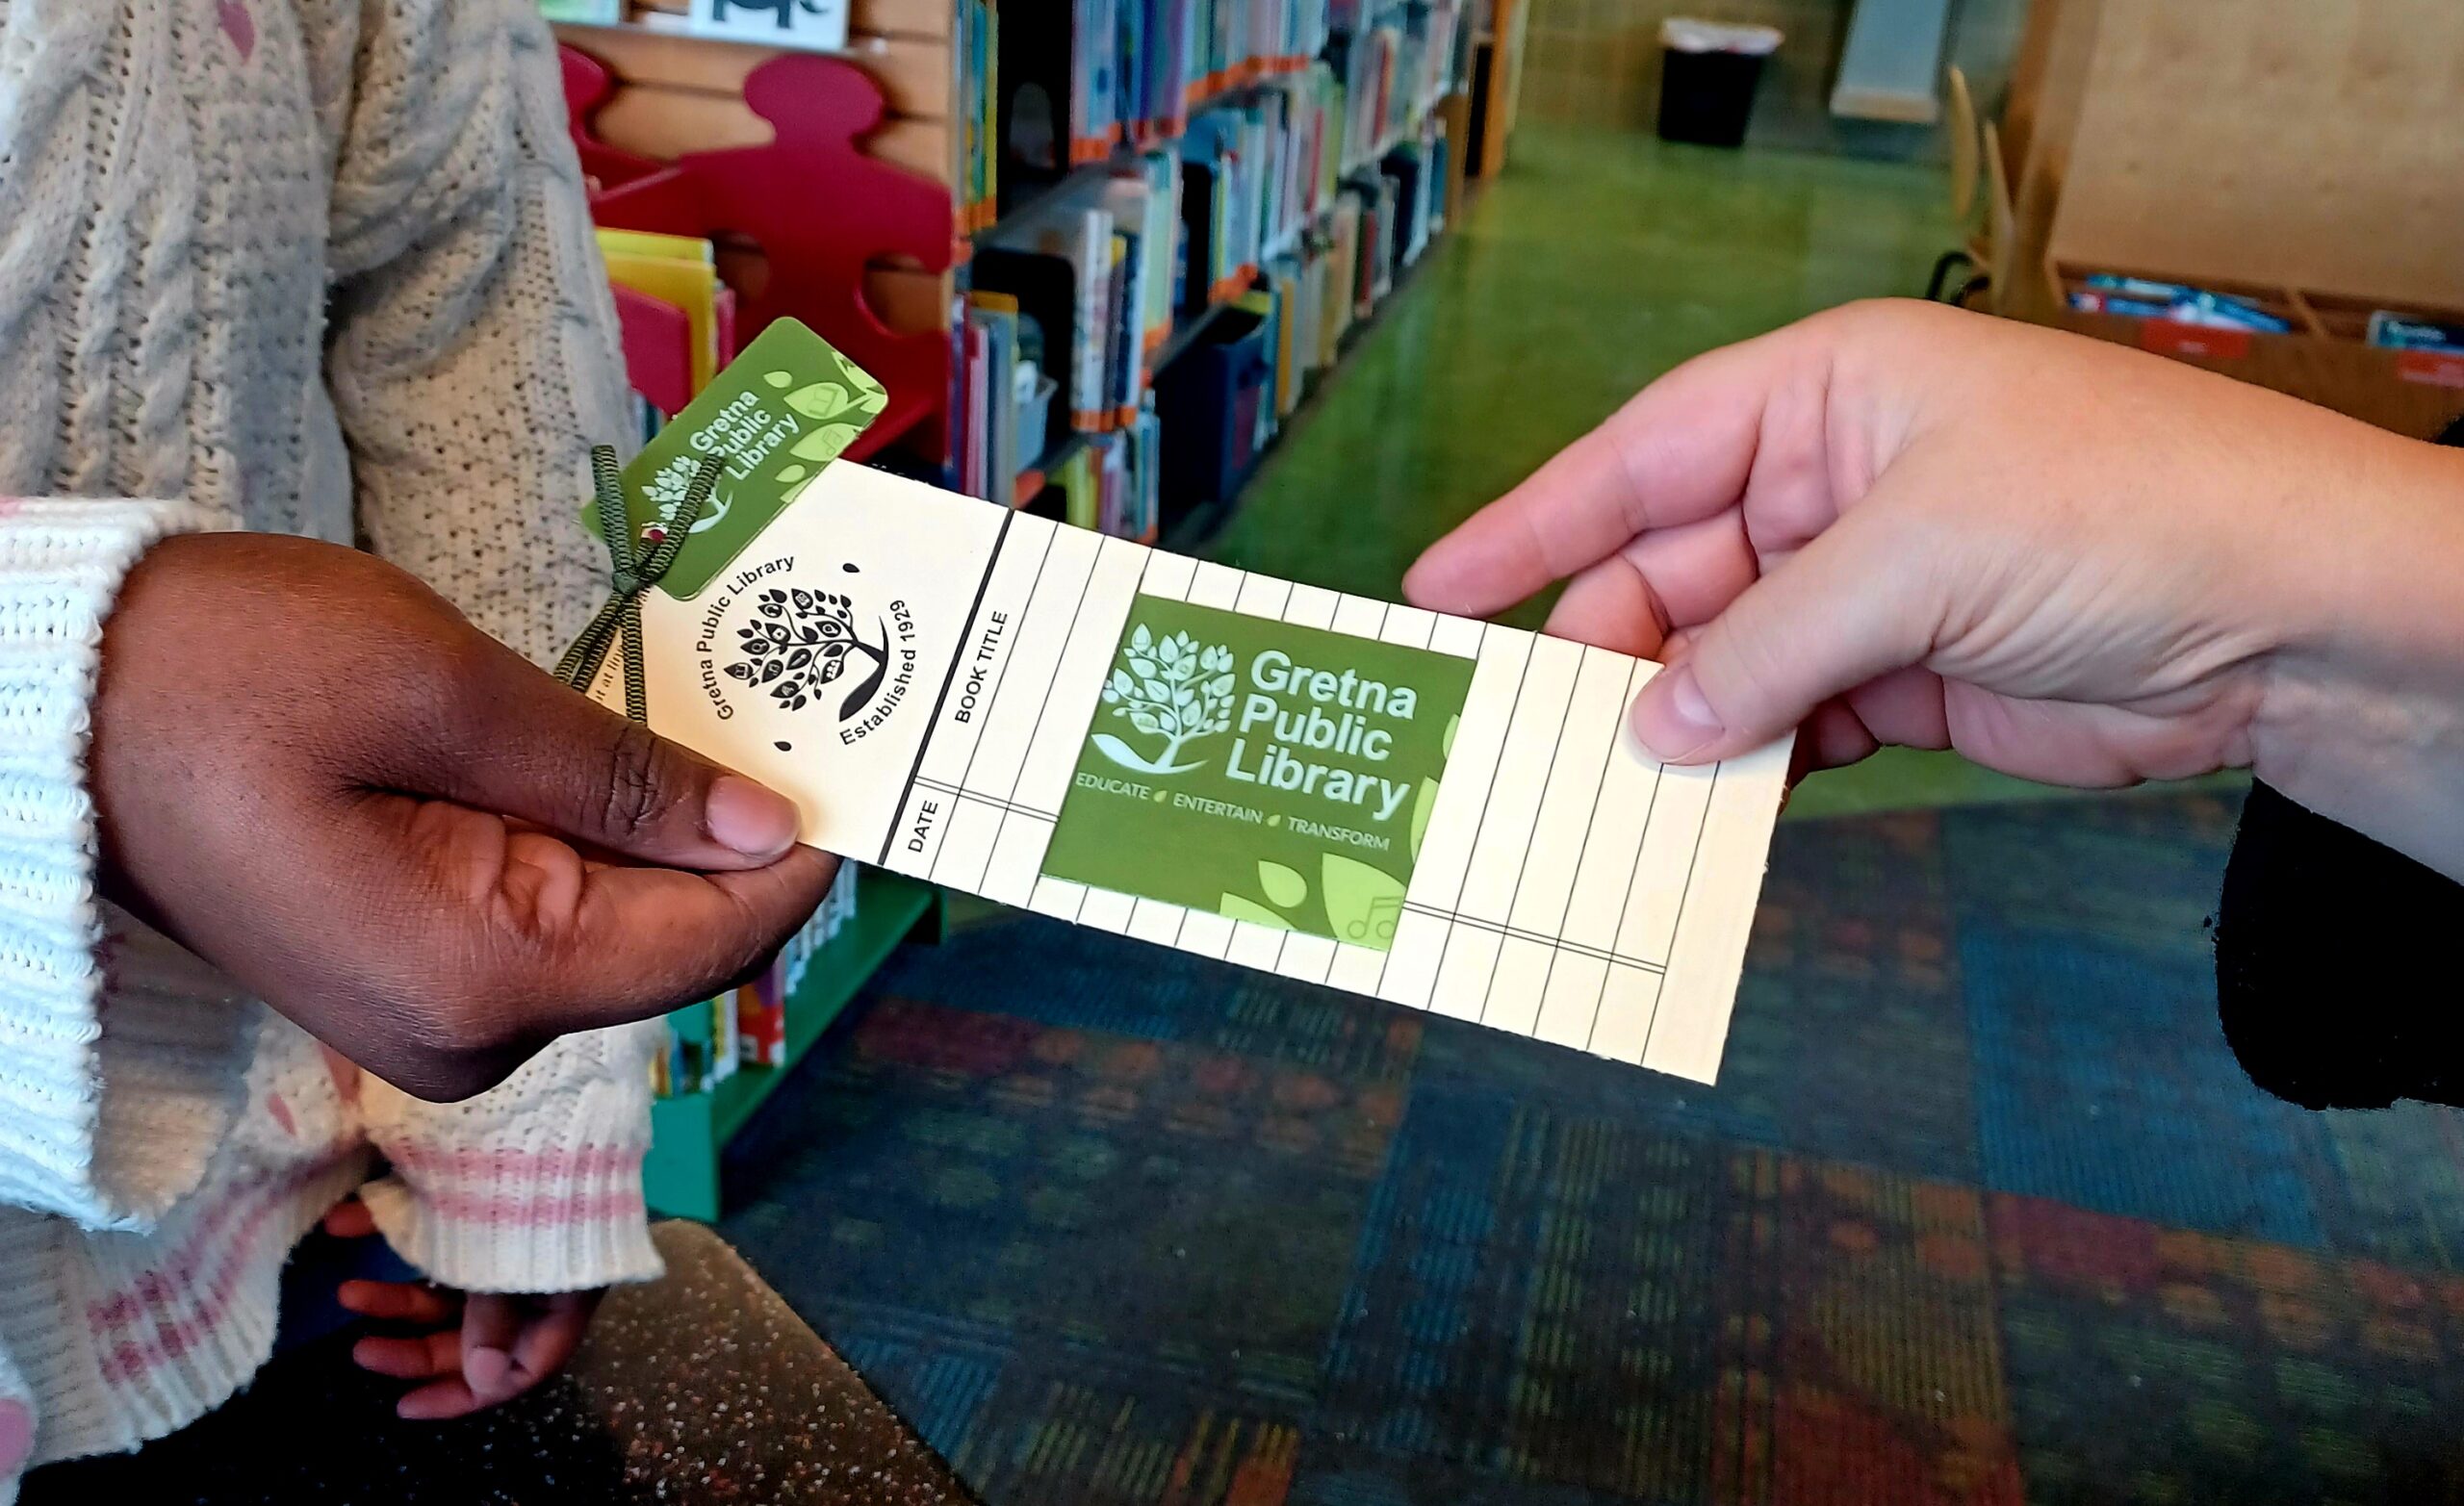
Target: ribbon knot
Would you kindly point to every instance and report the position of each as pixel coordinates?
(636, 569)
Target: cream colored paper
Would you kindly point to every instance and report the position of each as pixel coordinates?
(1568, 888)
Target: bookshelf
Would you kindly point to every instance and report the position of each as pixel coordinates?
(946, 70)
(690, 1132)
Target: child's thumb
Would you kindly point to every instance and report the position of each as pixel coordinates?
(1843, 610)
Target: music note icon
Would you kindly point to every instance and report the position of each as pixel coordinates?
(1379, 922)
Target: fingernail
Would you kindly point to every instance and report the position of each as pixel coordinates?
(749, 818)
(1671, 718)
(487, 1371)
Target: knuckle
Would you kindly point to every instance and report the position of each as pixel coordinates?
(638, 794)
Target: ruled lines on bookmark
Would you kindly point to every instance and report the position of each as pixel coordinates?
(1553, 882)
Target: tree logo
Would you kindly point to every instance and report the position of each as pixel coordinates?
(800, 641)
(1172, 688)
(666, 490)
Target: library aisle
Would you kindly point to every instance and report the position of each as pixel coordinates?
(1603, 260)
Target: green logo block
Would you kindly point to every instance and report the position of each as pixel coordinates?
(1260, 771)
(781, 411)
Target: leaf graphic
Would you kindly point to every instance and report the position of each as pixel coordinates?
(1250, 911)
(1141, 640)
(1420, 807)
(1121, 753)
(790, 474)
(1282, 885)
(825, 444)
(776, 378)
(1362, 902)
(1144, 722)
(820, 400)
(1446, 743)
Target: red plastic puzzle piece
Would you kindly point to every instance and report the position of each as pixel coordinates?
(589, 86)
(820, 210)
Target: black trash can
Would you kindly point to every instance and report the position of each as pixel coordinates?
(1709, 73)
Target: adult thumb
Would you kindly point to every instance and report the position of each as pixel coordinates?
(526, 746)
(1841, 611)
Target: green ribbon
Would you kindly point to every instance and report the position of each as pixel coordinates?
(637, 570)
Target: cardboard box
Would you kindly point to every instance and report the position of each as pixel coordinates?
(2301, 153)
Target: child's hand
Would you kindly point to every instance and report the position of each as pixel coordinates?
(313, 772)
(480, 1348)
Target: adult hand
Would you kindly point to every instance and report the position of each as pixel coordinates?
(311, 771)
(463, 1351)
(1902, 524)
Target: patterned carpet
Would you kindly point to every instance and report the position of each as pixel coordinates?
(1981, 1211)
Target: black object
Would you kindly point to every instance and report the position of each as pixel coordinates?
(1038, 85)
(1708, 97)
(1209, 401)
(1951, 261)
(1404, 167)
(1197, 236)
(2334, 974)
(1046, 288)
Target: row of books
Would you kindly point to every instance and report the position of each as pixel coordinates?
(1072, 310)
(1263, 167)
(1128, 73)
(1393, 63)
(708, 1042)
(1073, 300)
(1310, 298)
(977, 52)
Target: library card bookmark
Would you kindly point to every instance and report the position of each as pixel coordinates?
(1431, 811)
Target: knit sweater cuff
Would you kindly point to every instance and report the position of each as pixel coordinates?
(566, 1219)
(115, 1078)
(536, 1187)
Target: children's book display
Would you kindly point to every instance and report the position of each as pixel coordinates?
(1441, 813)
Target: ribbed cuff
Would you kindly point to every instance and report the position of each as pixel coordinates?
(511, 1220)
(535, 1187)
(107, 1114)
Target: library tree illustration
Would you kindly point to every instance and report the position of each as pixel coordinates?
(1173, 688)
(800, 641)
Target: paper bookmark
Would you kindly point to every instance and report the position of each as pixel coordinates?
(1437, 812)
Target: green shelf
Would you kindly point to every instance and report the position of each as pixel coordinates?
(681, 1176)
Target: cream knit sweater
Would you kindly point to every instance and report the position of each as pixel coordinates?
(320, 267)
